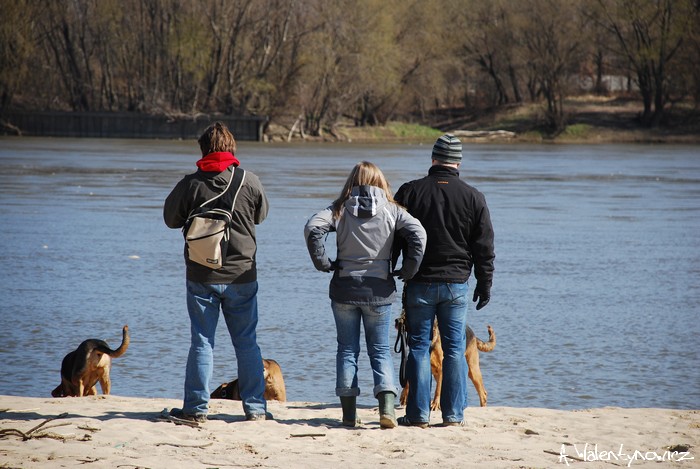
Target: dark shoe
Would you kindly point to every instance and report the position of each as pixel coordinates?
(404, 422)
(256, 417)
(179, 414)
(352, 423)
(452, 424)
(387, 417)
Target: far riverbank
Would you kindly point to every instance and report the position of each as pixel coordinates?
(591, 120)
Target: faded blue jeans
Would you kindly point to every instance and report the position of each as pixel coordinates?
(448, 303)
(239, 305)
(377, 322)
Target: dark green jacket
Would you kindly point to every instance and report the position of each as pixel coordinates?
(251, 209)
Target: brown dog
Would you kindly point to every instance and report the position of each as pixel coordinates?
(274, 385)
(474, 345)
(85, 366)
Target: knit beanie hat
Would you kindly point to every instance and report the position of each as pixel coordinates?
(448, 149)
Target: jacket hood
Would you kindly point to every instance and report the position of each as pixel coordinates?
(365, 201)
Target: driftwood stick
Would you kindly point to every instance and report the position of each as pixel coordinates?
(302, 435)
(53, 436)
(88, 428)
(13, 431)
(45, 422)
(57, 425)
(185, 446)
(28, 435)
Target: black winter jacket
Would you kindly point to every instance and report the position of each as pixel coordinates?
(250, 210)
(458, 225)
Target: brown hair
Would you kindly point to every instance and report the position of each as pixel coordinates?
(217, 137)
(363, 174)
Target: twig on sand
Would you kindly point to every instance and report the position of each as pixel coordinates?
(302, 435)
(185, 446)
(88, 428)
(29, 435)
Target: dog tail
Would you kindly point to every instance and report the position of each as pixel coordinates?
(122, 348)
(486, 346)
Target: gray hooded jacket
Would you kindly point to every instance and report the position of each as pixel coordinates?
(365, 231)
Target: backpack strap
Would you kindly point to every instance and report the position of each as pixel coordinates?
(237, 184)
(233, 173)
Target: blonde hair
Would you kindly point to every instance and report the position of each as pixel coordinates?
(363, 174)
(215, 138)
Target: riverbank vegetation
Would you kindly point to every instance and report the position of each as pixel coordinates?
(354, 69)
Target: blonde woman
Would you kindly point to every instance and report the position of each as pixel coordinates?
(366, 220)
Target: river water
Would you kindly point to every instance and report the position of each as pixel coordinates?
(596, 295)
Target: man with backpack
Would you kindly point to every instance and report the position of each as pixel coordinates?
(229, 283)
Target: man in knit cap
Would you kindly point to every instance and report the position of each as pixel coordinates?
(460, 236)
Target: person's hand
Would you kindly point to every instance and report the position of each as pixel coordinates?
(399, 274)
(335, 265)
(483, 295)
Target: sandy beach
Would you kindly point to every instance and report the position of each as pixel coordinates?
(113, 431)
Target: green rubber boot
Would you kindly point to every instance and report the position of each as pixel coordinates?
(349, 405)
(387, 416)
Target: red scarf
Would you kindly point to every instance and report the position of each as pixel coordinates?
(217, 161)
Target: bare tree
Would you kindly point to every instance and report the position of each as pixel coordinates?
(16, 45)
(490, 43)
(649, 33)
(554, 52)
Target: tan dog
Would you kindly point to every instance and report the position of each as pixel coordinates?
(82, 368)
(274, 385)
(474, 345)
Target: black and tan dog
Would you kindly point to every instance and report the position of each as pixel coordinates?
(274, 385)
(474, 345)
(87, 365)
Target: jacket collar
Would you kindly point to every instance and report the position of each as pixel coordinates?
(441, 170)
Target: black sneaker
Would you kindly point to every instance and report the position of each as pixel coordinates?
(404, 422)
(179, 414)
(452, 424)
(256, 417)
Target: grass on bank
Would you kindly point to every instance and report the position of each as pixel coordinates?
(391, 132)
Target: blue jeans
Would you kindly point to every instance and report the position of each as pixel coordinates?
(239, 304)
(448, 302)
(377, 322)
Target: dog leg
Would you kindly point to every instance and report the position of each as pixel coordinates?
(105, 384)
(475, 374)
(436, 357)
(437, 374)
(404, 395)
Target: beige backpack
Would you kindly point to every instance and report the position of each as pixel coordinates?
(206, 230)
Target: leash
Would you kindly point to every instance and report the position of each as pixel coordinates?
(401, 339)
